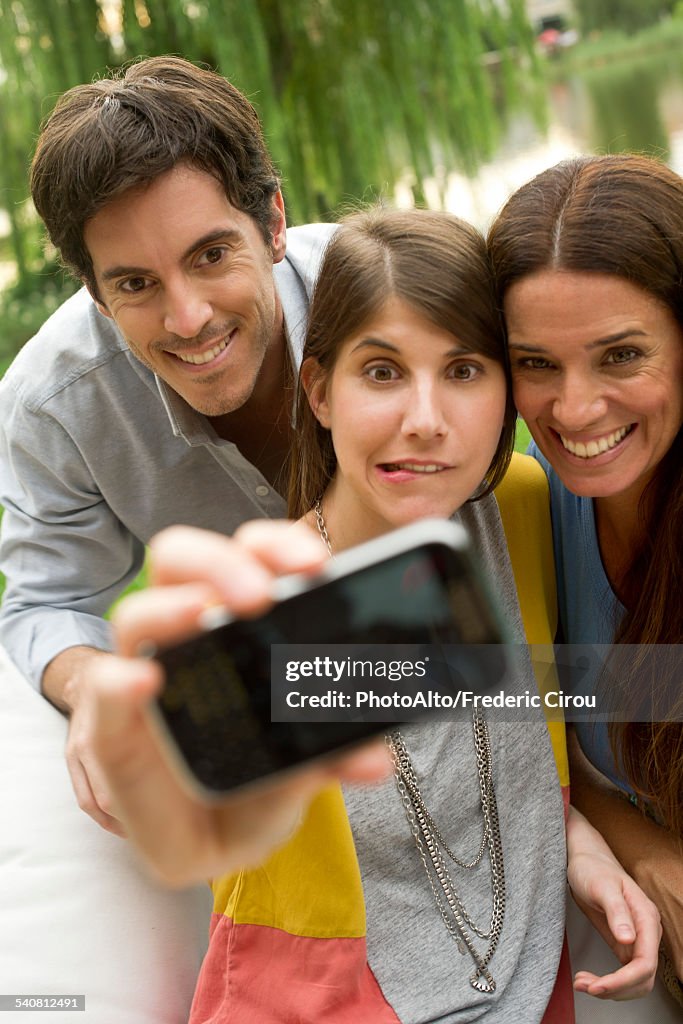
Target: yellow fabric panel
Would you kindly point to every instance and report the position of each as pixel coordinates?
(524, 503)
(320, 858)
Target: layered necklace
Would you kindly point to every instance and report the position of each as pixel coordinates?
(434, 851)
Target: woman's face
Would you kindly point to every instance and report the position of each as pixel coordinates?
(597, 367)
(415, 420)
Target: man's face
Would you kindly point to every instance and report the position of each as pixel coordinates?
(188, 280)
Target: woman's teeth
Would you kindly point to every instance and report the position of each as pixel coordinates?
(430, 467)
(597, 447)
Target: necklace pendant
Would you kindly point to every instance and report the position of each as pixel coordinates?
(483, 982)
(462, 948)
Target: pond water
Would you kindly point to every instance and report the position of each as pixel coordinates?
(625, 105)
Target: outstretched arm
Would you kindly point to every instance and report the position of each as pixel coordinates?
(182, 838)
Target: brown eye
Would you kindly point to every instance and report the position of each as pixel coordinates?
(465, 371)
(382, 374)
(134, 284)
(622, 356)
(214, 255)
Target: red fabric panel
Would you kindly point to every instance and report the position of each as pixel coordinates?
(560, 1009)
(253, 974)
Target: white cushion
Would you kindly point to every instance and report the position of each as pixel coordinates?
(77, 914)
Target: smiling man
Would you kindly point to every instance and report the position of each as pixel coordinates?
(161, 392)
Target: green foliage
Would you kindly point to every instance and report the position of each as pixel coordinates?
(614, 46)
(624, 15)
(26, 305)
(352, 95)
(44, 49)
(626, 94)
(522, 436)
(624, 77)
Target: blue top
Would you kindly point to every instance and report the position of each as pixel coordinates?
(589, 610)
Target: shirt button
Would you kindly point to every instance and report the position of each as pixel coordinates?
(262, 490)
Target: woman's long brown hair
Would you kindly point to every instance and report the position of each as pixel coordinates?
(623, 215)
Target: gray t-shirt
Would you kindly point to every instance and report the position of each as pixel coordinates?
(416, 963)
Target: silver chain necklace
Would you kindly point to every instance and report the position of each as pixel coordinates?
(320, 522)
(434, 851)
(433, 848)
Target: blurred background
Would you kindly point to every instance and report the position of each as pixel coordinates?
(448, 103)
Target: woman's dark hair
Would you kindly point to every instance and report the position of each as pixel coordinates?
(622, 215)
(119, 133)
(432, 261)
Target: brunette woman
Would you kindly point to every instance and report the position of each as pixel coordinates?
(589, 264)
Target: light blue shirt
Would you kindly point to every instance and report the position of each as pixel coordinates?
(589, 610)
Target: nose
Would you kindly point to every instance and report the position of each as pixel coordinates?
(424, 412)
(186, 311)
(579, 403)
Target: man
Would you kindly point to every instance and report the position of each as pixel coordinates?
(161, 392)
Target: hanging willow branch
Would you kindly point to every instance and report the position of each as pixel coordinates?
(352, 95)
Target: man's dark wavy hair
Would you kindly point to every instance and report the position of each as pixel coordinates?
(123, 132)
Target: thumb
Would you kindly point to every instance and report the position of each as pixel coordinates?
(620, 919)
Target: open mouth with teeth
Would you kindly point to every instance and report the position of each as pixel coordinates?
(412, 467)
(599, 445)
(200, 358)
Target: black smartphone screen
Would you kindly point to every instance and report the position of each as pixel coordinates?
(216, 703)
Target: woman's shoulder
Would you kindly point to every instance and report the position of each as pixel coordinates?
(524, 504)
(525, 481)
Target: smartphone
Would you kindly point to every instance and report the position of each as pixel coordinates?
(418, 585)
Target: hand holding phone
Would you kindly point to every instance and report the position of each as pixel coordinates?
(414, 587)
(182, 838)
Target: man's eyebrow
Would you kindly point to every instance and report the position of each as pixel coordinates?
(229, 235)
(609, 339)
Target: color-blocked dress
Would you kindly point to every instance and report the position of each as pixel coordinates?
(341, 926)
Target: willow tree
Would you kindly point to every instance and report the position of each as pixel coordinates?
(352, 95)
(44, 49)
